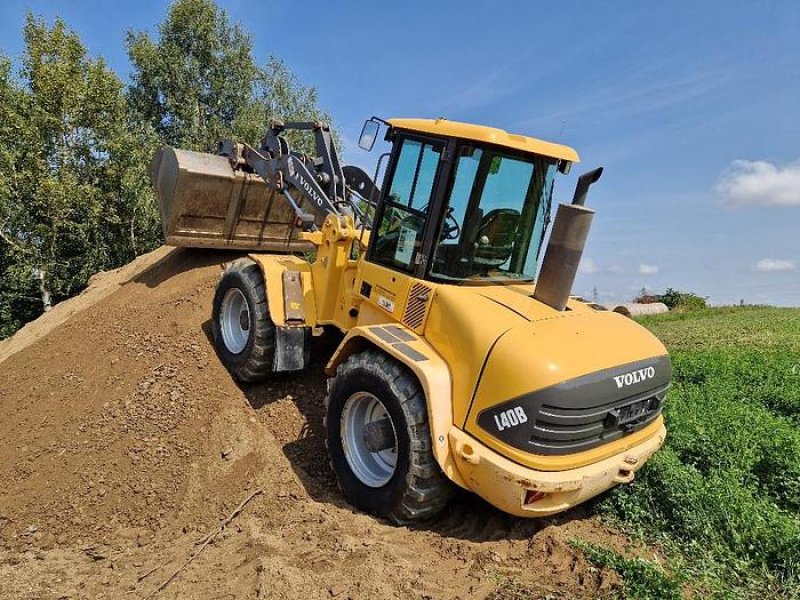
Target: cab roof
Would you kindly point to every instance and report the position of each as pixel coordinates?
(490, 135)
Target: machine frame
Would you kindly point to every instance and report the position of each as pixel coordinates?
(443, 340)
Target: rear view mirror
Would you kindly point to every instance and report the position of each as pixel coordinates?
(368, 135)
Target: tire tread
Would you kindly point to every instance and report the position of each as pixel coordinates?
(426, 490)
(257, 366)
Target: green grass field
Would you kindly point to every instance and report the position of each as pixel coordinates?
(723, 495)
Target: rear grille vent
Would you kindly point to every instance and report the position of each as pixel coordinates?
(563, 429)
(417, 305)
(581, 413)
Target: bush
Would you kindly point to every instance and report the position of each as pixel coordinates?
(682, 300)
(641, 578)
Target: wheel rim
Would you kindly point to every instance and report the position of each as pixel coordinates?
(234, 321)
(373, 469)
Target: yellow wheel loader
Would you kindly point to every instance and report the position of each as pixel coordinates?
(457, 366)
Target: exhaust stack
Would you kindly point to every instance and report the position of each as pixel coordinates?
(565, 247)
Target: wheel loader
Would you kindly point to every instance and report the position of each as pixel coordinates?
(458, 366)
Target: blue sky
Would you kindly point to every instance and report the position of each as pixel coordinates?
(693, 108)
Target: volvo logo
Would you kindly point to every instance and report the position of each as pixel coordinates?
(636, 376)
(309, 189)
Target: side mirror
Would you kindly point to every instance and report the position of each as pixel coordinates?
(368, 134)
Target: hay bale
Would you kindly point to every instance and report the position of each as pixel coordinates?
(637, 310)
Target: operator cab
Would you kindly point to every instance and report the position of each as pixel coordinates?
(461, 203)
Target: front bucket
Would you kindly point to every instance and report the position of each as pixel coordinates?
(205, 203)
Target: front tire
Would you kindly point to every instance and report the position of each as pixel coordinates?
(379, 441)
(244, 334)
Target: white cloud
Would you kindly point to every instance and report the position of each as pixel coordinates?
(760, 183)
(771, 265)
(648, 269)
(588, 266)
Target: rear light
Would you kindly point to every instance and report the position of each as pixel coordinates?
(532, 496)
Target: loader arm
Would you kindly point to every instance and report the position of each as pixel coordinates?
(319, 182)
(327, 165)
(280, 171)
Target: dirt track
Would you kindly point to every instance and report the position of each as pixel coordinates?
(123, 441)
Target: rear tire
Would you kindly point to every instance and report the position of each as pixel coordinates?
(404, 483)
(244, 334)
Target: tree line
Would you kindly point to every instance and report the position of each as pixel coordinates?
(76, 141)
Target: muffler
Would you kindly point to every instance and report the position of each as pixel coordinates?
(565, 247)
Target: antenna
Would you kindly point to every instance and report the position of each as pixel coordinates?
(560, 130)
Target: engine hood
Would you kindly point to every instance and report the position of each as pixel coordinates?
(519, 300)
(462, 326)
(568, 386)
(481, 330)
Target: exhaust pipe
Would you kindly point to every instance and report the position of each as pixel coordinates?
(585, 181)
(565, 247)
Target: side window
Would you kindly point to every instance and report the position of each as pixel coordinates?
(399, 235)
(541, 216)
(412, 183)
(466, 169)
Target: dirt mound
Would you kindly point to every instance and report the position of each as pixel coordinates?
(100, 286)
(123, 441)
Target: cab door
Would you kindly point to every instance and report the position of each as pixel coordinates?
(404, 226)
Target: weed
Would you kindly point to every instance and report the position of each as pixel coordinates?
(725, 489)
(642, 579)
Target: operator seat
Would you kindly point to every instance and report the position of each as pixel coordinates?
(496, 235)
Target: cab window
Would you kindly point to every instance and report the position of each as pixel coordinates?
(407, 204)
(494, 219)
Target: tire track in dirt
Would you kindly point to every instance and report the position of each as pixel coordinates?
(123, 441)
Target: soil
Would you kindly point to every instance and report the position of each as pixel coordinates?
(124, 441)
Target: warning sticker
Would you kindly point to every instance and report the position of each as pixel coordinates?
(405, 245)
(385, 303)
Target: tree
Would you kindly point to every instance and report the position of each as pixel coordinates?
(279, 95)
(72, 176)
(75, 194)
(197, 81)
(18, 299)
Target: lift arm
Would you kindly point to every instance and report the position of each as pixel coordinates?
(284, 170)
(321, 181)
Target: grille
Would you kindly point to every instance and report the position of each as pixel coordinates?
(562, 429)
(584, 412)
(417, 305)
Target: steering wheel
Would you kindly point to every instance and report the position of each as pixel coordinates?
(451, 230)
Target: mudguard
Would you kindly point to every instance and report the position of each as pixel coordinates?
(287, 282)
(415, 353)
(290, 295)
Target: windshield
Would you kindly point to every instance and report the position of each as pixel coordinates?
(494, 218)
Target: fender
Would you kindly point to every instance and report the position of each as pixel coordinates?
(283, 298)
(415, 353)
(290, 300)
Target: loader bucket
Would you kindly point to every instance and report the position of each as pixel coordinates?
(205, 203)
